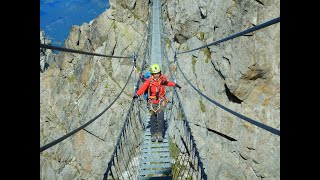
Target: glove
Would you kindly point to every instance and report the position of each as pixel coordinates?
(177, 86)
(135, 96)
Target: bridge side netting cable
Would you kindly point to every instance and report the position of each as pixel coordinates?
(187, 163)
(89, 122)
(121, 165)
(254, 122)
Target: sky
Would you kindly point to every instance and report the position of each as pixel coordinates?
(58, 16)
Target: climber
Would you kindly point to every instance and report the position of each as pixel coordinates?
(156, 99)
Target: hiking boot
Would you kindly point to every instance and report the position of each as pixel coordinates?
(160, 138)
(153, 138)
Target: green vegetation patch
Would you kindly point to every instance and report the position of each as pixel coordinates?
(168, 43)
(202, 107)
(207, 53)
(135, 15)
(174, 150)
(193, 64)
(201, 36)
(71, 78)
(179, 115)
(138, 69)
(114, 25)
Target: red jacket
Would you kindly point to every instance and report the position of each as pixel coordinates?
(155, 86)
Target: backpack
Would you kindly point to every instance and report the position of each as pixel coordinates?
(146, 76)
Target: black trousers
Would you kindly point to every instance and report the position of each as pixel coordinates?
(157, 122)
(157, 119)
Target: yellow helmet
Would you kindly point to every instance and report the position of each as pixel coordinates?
(155, 68)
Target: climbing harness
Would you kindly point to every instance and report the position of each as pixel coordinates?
(162, 103)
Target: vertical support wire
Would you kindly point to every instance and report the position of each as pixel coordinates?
(192, 163)
(192, 149)
(176, 144)
(139, 116)
(184, 155)
(138, 139)
(188, 153)
(106, 175)
(111, 174)
(183, 148)
(115, 169)
(141, 137)
(133, 138)
(174, 134)
(126, 146)
(124, 161)
(132, 142)
(196, 164)
(189, 163)
(119, 166)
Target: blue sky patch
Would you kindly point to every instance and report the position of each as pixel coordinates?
(58, 16)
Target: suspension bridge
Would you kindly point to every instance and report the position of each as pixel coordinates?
(135, 156)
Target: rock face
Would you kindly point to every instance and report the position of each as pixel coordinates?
(46, 55)
(242, 74)
(76, 87)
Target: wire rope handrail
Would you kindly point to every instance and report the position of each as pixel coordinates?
(257, 27)
(79, 52)
(254, 122)
(86, 124)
